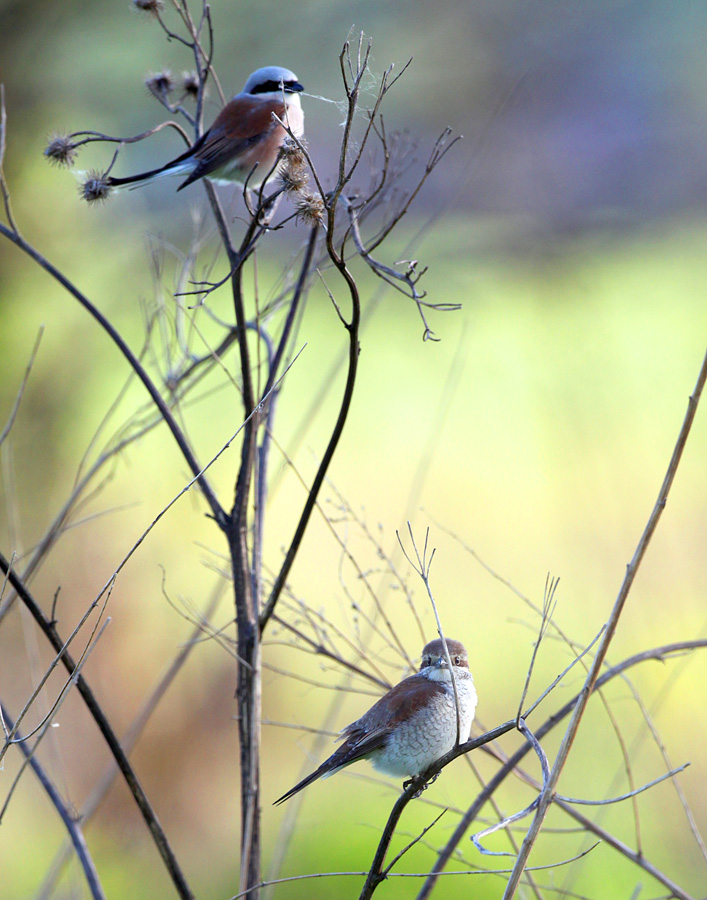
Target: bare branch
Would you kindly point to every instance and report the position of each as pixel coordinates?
(535, 744)
(134, 363)
(562, 674)
(412, 843)
(634, 793)
(50, 632)
(3, 146)
(70, 822)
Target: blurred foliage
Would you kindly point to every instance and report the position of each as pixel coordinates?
(570, 224)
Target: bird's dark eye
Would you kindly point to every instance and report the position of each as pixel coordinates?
(426, 662)
(457, 660)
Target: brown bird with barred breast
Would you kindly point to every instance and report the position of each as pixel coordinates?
(414, 724)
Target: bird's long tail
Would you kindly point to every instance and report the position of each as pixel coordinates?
(321, 771)
(175, 167)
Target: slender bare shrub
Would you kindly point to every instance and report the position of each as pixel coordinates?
(346, 215)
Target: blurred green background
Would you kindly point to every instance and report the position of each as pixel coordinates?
(570, 225)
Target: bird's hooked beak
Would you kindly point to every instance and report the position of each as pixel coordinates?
(441, 663)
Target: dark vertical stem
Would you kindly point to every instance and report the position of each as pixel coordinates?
(248, 692)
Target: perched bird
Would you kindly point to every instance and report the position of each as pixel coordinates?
(414, 724)
(244, 139)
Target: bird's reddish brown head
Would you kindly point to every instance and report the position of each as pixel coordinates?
(434, 651)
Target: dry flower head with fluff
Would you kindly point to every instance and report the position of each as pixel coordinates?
(293, 179)
(189, 83)
(61, 150)
(310, 209)
(160, 84)
(152, 7)
(96, 186)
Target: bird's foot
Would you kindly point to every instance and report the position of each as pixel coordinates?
(423, 786)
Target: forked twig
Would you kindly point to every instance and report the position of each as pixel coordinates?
(547, 613)
(422, 566)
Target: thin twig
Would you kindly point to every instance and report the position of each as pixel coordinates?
(20, 391)
(544, 765)
(128, 742)
(633, 793)
(423, 570)
(412, 843)
(562, 674)
(3, 146)
(71, 824)
(548, 610)
(158, 835)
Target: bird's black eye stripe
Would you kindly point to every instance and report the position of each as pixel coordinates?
(273, 87)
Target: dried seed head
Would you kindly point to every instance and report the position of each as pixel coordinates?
(292, 152)
(310, 209)
(293, 179)
(294, 175)
(160, 84)
(152, 7)
(60, 150)
(96, 186)
(190, 83)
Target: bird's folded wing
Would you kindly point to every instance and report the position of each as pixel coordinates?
(229, 138)
(402, 702)
(358, 745)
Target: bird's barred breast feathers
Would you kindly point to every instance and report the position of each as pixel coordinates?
(415, 723)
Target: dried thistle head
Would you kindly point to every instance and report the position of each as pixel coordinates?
(61, 150)
(96, 186)
(294, 175)
(152, 7)
(292, 152)
(310, 209)
(190, 83)
(293, 179)
(160, 84)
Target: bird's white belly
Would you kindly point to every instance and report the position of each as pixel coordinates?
(425, 737)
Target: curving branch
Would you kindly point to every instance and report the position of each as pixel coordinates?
(133, 362)
(50, 632)
(71, 824)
